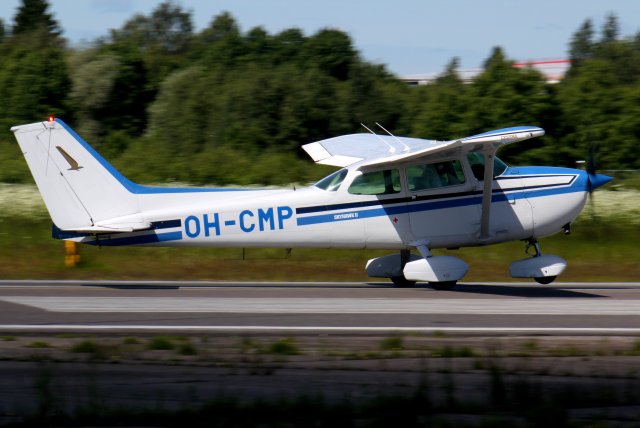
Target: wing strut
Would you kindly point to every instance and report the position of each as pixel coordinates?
(487, 193)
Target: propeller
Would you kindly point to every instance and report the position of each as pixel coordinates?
(595, 180)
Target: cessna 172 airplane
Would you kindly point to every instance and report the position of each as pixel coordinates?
(393, 193)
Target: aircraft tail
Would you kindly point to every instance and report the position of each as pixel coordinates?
(81, 190)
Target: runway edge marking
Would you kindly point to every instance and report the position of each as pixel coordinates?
(364, 329)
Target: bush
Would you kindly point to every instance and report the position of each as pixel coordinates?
(393, 343)
(160, 343)
(86, 347)
(283, 347)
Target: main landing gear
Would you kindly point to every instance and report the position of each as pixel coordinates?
(405, 269)
(443, 272)
(400, 280)
(544, 269)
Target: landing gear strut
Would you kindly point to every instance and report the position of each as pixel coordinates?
(544, 280)
(400, 281)
(532, 242)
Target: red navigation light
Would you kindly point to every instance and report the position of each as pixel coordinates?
(51, 118)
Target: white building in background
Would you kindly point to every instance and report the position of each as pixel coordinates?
(553, 70)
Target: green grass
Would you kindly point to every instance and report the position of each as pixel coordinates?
(392, 343)
(87, 347)
(453, 352)
(286, 346)
(187, 349)
(131, 341)
(159, 343)
(38, 344)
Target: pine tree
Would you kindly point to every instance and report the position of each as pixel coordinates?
(581, 46)
(33, 14)
(610, 29)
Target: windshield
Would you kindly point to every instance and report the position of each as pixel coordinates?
(332, 182)
(476, 161)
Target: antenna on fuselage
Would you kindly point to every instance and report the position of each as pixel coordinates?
(391, 148)
(406, 148)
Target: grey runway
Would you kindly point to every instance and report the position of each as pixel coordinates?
(226, 306)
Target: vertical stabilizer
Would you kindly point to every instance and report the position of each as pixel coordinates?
(79, 187)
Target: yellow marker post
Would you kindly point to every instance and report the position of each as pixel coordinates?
(72, 251)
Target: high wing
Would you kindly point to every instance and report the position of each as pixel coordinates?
(370, 149)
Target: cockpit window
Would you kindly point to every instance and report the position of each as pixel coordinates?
(434, 175)
(332, 182)
(376, 183)
(476, 161)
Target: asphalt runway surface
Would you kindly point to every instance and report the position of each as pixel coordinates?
(575, 308)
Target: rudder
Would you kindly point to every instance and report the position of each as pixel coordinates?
(79, 187)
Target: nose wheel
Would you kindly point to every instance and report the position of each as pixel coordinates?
(543, 269)
(544, 280)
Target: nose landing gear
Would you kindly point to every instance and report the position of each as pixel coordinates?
(544, 269)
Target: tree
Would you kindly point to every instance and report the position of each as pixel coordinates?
(581, 46)
(167, 29)
(610, 29)
(93, 75)
(220, 44)
(34, 79)
(290, 45)
(504, 96)
(331, 51)
(441, 106)
(33, 14)
(161, 40)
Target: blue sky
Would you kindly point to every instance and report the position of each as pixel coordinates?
(409, 36)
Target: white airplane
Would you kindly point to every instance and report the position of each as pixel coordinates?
(393, 193)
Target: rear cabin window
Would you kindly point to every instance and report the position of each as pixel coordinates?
(435, 175)
(376, 183)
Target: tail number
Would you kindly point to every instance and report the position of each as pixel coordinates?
(247, 221)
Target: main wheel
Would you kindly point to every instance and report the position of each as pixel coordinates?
(444, 285)
(544, 280)
(402, 282)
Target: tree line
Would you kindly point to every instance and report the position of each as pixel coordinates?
(224, 106)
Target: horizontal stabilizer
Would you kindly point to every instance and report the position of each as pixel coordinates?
(111, 228)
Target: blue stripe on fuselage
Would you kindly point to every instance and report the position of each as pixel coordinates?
(476, 199)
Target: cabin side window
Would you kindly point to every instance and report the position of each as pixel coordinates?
(435, 175)
(332, 182)
(376, 183)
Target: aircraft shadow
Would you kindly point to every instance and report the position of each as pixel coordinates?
(496, 290)
(134, 286)
(522, 291)
(177, 286)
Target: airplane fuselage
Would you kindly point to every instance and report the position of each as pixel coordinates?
(527, 202)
